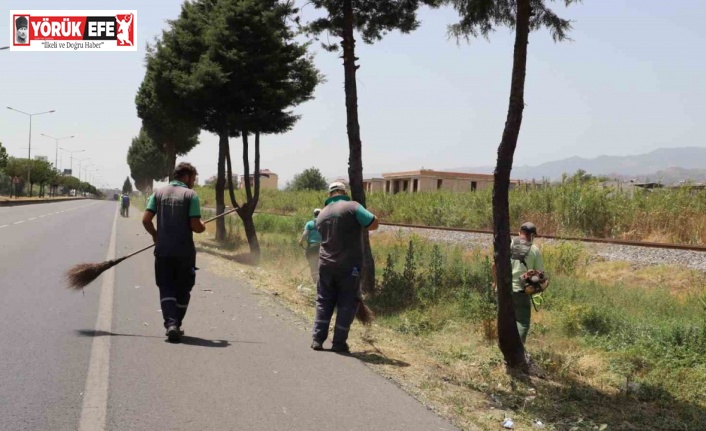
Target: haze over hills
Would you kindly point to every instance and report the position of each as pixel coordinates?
(668, 164)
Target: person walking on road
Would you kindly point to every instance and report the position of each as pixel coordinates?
(312, 238)
(178, 212)
(341, 225)
(125, 205)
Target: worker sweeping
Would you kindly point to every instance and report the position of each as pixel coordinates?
(340, 224)
(178, 214)
(312, 238)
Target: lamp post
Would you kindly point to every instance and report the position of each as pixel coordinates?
(79, 166)
(56, 140)
(71, 166)
(29, 149)
(87, 172)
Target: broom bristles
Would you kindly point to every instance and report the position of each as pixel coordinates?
(83, 274)
(364, 314)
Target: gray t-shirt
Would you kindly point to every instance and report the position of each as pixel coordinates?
(341, 225)
(174, 206)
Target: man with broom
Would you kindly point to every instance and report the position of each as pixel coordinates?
(178, 214)
(341, 225)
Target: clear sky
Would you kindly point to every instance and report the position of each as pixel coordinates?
(632, 80)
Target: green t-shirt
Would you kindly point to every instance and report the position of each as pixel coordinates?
(313, 235)
(194, 206)
(533, 260)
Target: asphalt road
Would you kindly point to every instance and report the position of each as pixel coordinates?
(243, 364)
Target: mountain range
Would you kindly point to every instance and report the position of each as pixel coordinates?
(666, 165)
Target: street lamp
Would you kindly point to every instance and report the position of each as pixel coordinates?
(29, 149)
(56, 140)
(87, 170)
(79, 166)
(94, 176)
(71, 166)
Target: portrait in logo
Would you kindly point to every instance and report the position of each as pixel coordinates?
(22, 30)
(124, 23)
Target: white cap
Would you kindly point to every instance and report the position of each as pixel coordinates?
(336, 186)
(317, 211)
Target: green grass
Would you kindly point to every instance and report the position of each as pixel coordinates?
(650, 339)
(567, 209)
(646, 345)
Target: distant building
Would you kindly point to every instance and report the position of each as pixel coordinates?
(374, 185)
(428, 180)
(648, 186)
(268, 180)
(41, 158)
(694, 188)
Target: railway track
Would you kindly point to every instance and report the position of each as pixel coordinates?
(610, 241)
(686, 247)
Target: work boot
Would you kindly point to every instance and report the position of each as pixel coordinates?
(173, 334)
(340, 348)
(316, 345)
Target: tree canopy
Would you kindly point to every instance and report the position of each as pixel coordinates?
(309, 179)
(483, 17)
(3, 156)
(146, 159)
(373, 18)
(127, 186)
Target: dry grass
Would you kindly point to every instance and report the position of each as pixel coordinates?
(680, 282)
(458, 371)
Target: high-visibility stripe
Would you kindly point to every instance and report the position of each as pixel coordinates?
(182, 305)
(168, 299)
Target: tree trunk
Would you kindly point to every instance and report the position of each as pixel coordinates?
(508, 336)
(355, 159)
(220, 185)
(171, 159)
(229, 179)
(248, 208)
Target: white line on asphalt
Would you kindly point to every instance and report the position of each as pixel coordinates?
(33, 218)
(5, 225)
(42, 216)
(18, 222)
(95, 396)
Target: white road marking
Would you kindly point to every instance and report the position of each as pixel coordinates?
(42, 216)
(95, 398)
(5, 225)
(33, 218)
(18, 222)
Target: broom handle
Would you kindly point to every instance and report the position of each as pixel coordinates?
(207, 221)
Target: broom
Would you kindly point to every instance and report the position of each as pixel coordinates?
(364, 314)
(83, 274)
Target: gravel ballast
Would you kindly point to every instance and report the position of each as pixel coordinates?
(614, 252)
